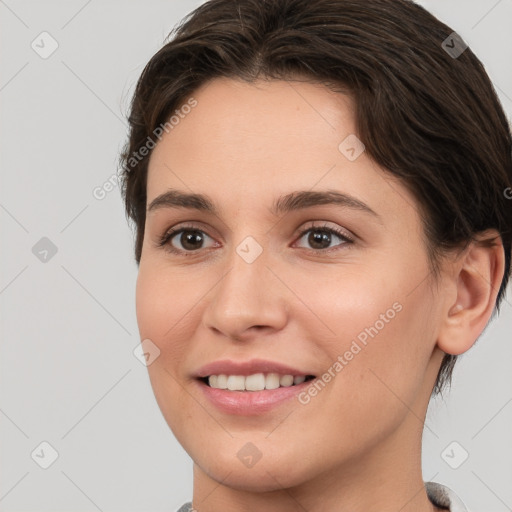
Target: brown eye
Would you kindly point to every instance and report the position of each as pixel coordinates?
(321, 238)
(184, 240)
(190, 240)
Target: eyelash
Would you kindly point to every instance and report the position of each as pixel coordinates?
(166, 238)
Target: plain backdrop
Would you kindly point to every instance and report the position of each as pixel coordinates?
(69, 377)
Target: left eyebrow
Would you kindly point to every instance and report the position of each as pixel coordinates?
(306, 199)
(297, 200)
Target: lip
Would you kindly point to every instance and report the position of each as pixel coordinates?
(245, 368)
(249, 403)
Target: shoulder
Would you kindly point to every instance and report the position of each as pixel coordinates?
(443, 497)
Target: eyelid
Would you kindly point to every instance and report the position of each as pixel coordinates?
(320, 225)
(192, 225)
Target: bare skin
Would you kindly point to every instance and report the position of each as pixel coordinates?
(355, 445)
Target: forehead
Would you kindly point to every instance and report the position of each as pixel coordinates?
(249, 143)
(269, 125)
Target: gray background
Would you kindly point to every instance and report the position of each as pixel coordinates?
(68, 327)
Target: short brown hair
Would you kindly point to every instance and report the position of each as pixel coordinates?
(429, 117)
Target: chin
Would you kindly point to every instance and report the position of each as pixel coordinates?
(274, 467)
(263, 477)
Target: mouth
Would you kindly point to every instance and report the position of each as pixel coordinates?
(251, 388)
(254, 382)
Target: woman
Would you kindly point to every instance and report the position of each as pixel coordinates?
(319, 190)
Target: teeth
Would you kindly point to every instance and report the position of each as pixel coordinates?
(236, 383)
(255, 382)
(272, 381)
(286, 380)
(222, 381)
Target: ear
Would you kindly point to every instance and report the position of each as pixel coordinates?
(474, 280)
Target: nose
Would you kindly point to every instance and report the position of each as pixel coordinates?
(248, 301)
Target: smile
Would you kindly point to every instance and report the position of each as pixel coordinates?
(254, 382)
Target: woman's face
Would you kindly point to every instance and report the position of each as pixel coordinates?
(277, 276)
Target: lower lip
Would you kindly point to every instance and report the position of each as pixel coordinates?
(251, 403)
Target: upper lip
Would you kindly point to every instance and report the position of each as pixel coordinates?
(244, 368)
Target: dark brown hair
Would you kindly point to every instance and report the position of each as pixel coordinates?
(427, 116)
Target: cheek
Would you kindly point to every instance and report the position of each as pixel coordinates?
(164, 305)
(164, 308)
(161, 309)
(381, 334)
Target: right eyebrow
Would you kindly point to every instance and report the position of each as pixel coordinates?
(176, 199)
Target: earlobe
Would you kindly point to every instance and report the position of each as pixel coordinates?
(476, 278)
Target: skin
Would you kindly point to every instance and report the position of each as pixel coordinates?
(356, 446)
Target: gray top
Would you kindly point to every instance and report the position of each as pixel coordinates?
(186, 508)
(443, 497)
(440, 496)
